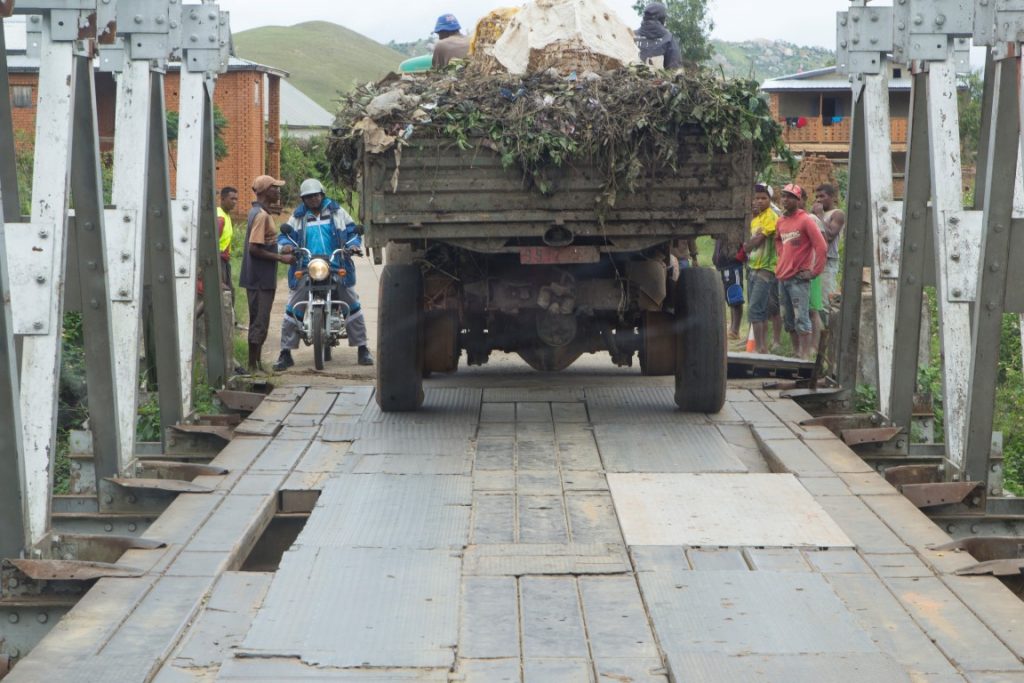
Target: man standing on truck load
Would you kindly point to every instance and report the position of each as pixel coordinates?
(762, 287)
(321, 220)
(658, 47)
(259, 264)
(801, 257)
(451, 44)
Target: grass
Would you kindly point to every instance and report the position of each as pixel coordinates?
(322, 58)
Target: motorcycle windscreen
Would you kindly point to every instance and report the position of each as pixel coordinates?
(318, 236)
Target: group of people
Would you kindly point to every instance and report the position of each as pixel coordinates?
(791, 259)
(267, 246)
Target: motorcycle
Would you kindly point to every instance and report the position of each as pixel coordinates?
(323, 318)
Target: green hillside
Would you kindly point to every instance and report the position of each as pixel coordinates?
(322, 58)
(768, 58)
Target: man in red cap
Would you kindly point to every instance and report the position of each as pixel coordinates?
(451, 44)
(801, 258)
(259, 264)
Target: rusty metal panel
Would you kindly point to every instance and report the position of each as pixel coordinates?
(71, 570)
(395, 608)
(662, 447)
(391, 511)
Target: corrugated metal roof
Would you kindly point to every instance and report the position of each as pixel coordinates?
(811, 81)
(298, 110)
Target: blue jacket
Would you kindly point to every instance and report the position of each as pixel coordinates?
(344, 234)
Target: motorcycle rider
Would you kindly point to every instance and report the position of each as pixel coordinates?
(321, 225)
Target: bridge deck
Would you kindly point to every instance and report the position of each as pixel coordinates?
(585, 532)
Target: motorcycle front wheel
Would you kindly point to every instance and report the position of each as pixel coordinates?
(316, 323)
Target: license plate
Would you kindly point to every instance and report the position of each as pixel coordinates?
(545, 255)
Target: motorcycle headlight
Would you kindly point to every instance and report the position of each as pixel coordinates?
(319, 270)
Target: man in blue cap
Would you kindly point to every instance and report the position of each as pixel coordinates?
(451, 44)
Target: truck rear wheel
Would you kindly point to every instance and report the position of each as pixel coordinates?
(400, 339)
(701, 346)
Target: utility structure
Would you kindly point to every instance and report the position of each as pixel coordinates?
(930, 238)
(108, 262)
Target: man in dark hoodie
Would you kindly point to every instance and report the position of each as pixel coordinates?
(658, 47)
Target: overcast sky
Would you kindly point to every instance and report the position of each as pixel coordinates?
(804, 22)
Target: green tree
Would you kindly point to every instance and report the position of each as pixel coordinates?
(689, 22)
(970, 117)
(220, 123)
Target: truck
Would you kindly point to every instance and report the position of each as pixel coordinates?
(478, 261)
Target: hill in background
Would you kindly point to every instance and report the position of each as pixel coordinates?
(322, 58)
(768, 58)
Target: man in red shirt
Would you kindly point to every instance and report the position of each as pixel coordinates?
(801, 250)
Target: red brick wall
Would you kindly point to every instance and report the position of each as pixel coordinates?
(240, 97)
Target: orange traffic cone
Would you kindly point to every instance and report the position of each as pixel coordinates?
(751, 346)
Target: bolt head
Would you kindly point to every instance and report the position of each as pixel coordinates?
(37, 326)
(138, 19)
(40, 279)
(108, 499)
(123, 292)
(958, 292)
(108, 527)
(43, 234)
(132, 527)
(13, 618)
(42, 617)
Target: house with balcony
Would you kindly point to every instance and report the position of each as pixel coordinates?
(815, 108)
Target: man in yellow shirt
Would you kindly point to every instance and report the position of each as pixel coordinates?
(761, 261)
(225, 233)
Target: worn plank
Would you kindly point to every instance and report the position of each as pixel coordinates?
(494, 518)
(713, 667)
(721, 510)
(592, 518)
(552, 621)
(224, 621)
(776, 560)
(533, 411)
(525, 559)
(316, 402)
(490, 618)
(542, 519)
(868, 532)
(953, 627)
(570, 412)
(637, 405)
(716, 559)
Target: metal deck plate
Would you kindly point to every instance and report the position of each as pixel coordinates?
(439, 405)
(386, 608)
(391, 511)
(665, 448)
(637, 405)
(763, 510)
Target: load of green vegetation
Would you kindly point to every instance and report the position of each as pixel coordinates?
(628, 123)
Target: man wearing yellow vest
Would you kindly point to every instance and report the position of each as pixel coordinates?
(225, 232)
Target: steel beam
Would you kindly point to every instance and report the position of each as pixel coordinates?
(160, 268)
(11, 202)
(14, 537)
(92, 285)
(41, 249)
(883, 218)
(219, 352)
(125, 243)
(954, 242)
(910, 295)
(858, 246)
(999, 190)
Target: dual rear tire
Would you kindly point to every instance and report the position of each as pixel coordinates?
(400, 339)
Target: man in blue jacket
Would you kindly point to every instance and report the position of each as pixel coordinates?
(320, 217)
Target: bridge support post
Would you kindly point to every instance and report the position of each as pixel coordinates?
(1001, 187)
(89, 233)
(11, 202)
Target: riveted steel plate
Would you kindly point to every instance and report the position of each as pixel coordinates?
(760, 510)
(374, 431)
(514, 394)
(385, 608)
(637, 405)
(391, 511)
(665, 448)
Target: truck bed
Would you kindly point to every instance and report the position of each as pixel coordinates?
(465, 197)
